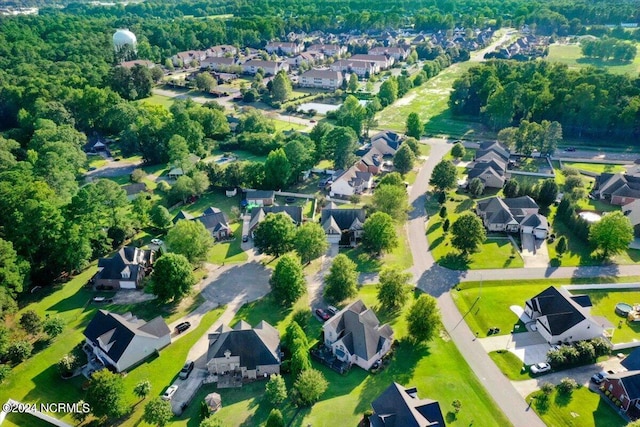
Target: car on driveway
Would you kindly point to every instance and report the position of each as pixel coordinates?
(599, 377)
(156, 242)
(540, 368)
(323, 314)
(181, 327)
(332, 310)
(245, 238)
(169, 392)
(186, 370)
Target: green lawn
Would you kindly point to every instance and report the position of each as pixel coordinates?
(229, 252)
(596, 167)
(96, 161)
(583, 408)
(324, 164)
(165, 101)
(243, 155)
(216, 199)
(282, 125)
(572, 56)
(604, 302)
(400, 257)
(436, 369)
(510, 365)
(425, 149)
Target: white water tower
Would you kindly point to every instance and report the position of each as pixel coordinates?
(124, 40)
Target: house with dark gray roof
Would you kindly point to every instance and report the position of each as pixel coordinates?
(342, 226)
(245, 351)
(514, 215)
(182, 215)
(134, 190)
(350, 182)
(387, 142)
(216, 223)
(625, 387)
(490, 165)
(122, 340)
(619, 189)
(632, 361)
(124, 270)
(355, 335)
(259, 214)
(260, 197)
(399, 406)
(561, 317)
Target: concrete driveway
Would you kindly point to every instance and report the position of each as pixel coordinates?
(530, 347)
(186, 389)
(534, 252)
(226, 283)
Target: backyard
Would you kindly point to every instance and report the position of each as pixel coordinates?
(598, 168)
(604, 303)
(400, 256)
(437, 369)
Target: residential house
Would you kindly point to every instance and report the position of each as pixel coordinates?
(490, 165)
(124, 270)
(490, 177)
(271, 68)
(286, 48)
(632, 211)
(134, 190)
(625, 387)
(322, 79)
(123, 341)
(342, 226)
(222, 50)
(561, 317)
(515, 215)
(372, 161)
(355, 335)
(186, 58)
(632, 361)
(182, 215)
(350, 182)
(619, 189)
(260, 197)
(259, 214)
(398, 53)
(216, 223)
(328, 49)
(399, 406)
(307, 58)
(387, 142)
(244, 351)
(381, 61)
(216, 63)
(360, 68)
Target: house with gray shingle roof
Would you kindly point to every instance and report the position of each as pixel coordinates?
(260, 213)
(249, 352)
(561, 317)
(515, 215)
(398, 406)
(124, 270)
(122, 341)
(355, 335)
(619, 189)
(342, 226)
(625, 387)
(216, 222)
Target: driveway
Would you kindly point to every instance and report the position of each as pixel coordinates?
(530, 347)
(534, 251)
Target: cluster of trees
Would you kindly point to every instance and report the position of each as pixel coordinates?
(544, 193)
(581, 352)
(587, 102)
(530, 136)
(609, 48)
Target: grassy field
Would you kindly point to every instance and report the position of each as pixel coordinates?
(510, 365)
(155, 99)
(400, 257)
(583, 408)
(282, 125)
(595, 167)
(212, 198)
(228, 252)
(571, 55)
(604, 302)
(437, 369)
(430, 101)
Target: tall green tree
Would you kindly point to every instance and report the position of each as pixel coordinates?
(142, 389)
(287, 281)
(424, 319)
(160, 217)
(157, 412)
(13, 273)
(205, 82)
(379, 233)
(178, 151)
(106, 394)
(547, 193)
(309, 386)
(415, 128)
(353, 83)
(404, 159)
(346, 143)
(444, 176)
(310, 241)
(342, 281)
(172, 277)
(388, 92)
(392, 200)
(277, 169)
(351, 114)
(275, 419)
(612, 234)
(275, 235)
(458, 150)
(393, 289)
(191, 239)
(467, 233)
(281, 87)
(275, 390)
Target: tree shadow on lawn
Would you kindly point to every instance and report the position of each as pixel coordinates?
(434, 226)
(455, 261)
(436, 243)
(563, 399)
(52, 388)
(401, 369)
(466, 205)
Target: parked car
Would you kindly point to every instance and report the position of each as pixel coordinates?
(540, 368)
(599, 377)
(186, 370)
(571, 149)
(290, 199)
(102, 299)
(376, 364)
(332, 310)
(157, 242)
(169, 392)
(323, 314)
(181, 327)
(245, 238)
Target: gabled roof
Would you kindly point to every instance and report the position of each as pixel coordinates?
(322, 74)
(612, 183)
(387, 142)
(343, 219)
(631, 382)
(524, 202)
(483, 171)
(360, 330)
(258, 214)
(632, 361)
(214, 219)
(398, 406)
(260, 194)
(495, 147)
(113, 332)
(535, 221)
(182, 215)
(561, 311)
(128, 257)
(255, 346)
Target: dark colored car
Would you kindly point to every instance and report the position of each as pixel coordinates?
(290, 199)
(571, 149)
(323, 314)
(186, 370)
(245, 238)
(599, 377)
(181, 327)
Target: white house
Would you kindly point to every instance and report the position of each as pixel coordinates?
(561, 317)
(185, 58)
(398, 53)
(328, 49)
(381, 61)
(360, 68)
(270, 67)
(218, 63)
(350, 182)
(322, 79)
(288, 48)
(355, 335)
(308, 58)
(343, 226)
(122, 341)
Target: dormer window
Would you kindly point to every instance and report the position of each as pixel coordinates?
(227, 354)
(126, 273)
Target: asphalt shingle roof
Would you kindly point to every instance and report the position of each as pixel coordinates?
(255, 346)
(398, 406)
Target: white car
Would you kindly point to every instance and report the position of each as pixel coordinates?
(168, 394)
(540, 368)
(157, 242)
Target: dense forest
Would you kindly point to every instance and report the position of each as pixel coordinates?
(59, 86)
(589, 102)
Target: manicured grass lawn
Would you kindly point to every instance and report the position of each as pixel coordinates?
(494, 253)
(411, 177)
(216, 199)
(228, 252)
(595, 167)
(425, 149)
(165, 101)
(282, 125)
(400, 257)
(604, 302)
(96, 161)
(324, 164)
(242, 155)
(572, 56)
(510, 365)
(583, 408)
(437, 369)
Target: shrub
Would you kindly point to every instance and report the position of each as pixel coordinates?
(566, 386)
(19, 351)
(546, 388)
(67, 365)
(4, 372)
(138, 175)
(445, 225)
